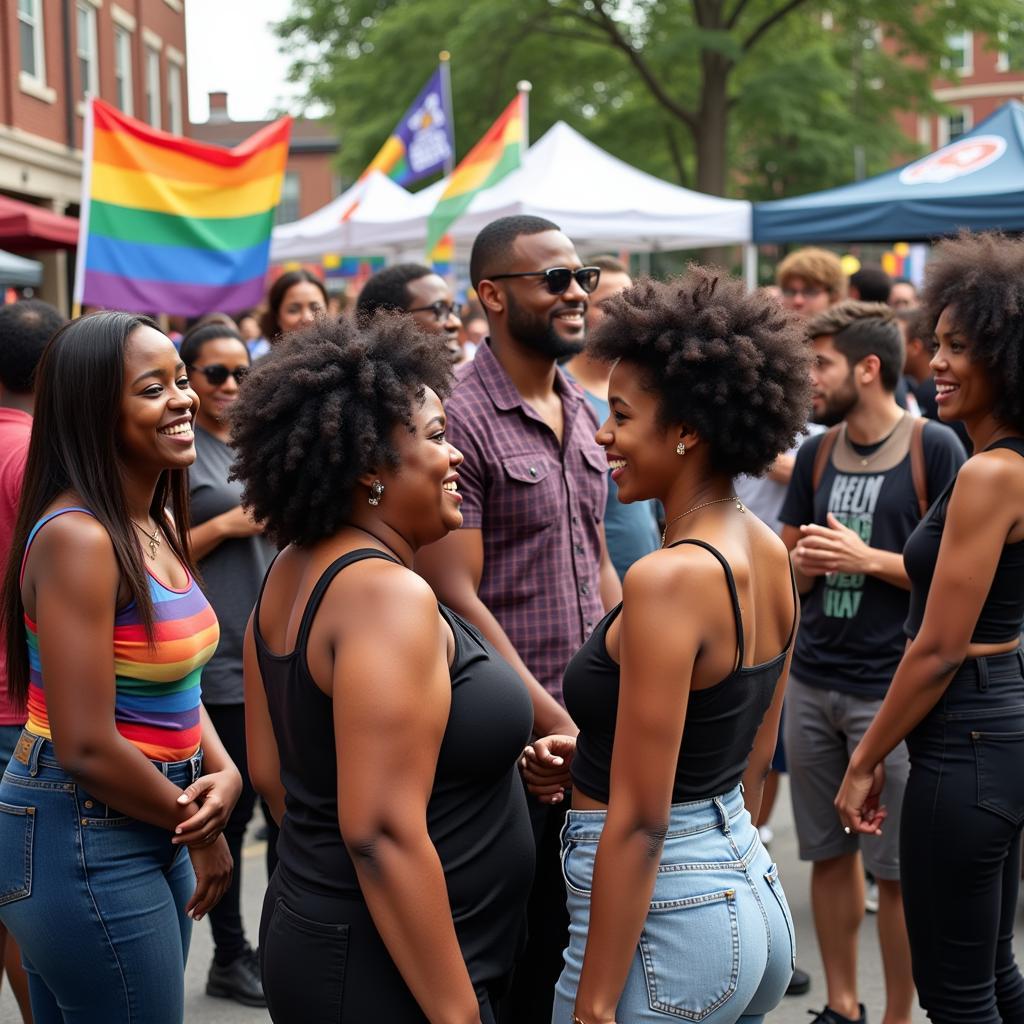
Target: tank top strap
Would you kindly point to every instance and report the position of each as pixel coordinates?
(796, 605)
(39, 525)
(740, 643)
(1015, 444)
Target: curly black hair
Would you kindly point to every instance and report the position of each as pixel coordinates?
(733, 366)
(980, 277)
(320, 410)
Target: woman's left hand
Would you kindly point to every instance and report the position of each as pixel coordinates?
(857, 799)
(216, 794)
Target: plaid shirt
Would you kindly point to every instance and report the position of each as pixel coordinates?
(539, 506)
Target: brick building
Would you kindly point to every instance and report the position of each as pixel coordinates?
(53, 53)
(310, 180)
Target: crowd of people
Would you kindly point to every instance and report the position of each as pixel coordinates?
(511, 617)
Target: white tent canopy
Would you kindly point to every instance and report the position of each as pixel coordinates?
(597, 200)
(16, 270)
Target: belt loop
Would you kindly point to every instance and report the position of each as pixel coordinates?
(33, 754)
(982, 664)
(1020, 659)
(723, 815)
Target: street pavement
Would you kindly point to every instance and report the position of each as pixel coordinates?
(201, 1009)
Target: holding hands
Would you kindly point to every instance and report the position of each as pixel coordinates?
(545, 767)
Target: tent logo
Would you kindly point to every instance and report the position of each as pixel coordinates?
(963, 157)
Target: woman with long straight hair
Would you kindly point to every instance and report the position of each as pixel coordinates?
(110, 837)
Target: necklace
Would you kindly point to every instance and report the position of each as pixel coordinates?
(697, 508)
(154, 540)
(866, 460)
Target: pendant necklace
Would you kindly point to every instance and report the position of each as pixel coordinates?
(153, 539)
(697, 508)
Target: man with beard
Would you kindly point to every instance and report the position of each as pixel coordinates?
(414, 289)
(857, 493)
(529, 568)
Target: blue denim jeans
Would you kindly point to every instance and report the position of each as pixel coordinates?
(718, 943)
(95, 899)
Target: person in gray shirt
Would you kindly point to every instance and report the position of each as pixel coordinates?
(232, 556)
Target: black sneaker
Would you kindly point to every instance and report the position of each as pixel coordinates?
(238, 980)
(799, 984)
(829, 1016)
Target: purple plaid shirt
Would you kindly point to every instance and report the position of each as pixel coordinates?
(539, 506)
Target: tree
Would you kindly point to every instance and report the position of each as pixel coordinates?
(780, 92)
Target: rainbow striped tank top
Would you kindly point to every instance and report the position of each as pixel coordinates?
(156, 704)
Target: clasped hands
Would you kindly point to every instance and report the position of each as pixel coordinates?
(827, 549)
(545, 767)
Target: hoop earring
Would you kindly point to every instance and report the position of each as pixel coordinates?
(680, 448)
(376, 493)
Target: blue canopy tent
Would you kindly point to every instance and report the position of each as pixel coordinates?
(976, 182)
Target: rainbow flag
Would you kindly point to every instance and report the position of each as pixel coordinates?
(170, 225)
(443, 255)
(495, 155)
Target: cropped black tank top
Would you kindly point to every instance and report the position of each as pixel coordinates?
(477, 816)
(721, 720)
(1002, 614)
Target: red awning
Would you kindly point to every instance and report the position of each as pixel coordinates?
(28, 228)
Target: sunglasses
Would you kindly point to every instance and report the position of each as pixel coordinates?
(442, 310)
(558, 279)
(217, 373)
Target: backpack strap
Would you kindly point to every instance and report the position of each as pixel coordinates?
(917, 464)
(822, 455)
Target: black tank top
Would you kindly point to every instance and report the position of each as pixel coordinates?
(721, 720)
(1002, 614)
(477, 816)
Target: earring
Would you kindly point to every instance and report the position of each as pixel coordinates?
(376, 491)
(680, 448)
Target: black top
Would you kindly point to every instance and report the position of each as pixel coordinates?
(477, 816)
(721, 720)
(1002, 615)
(851, 636)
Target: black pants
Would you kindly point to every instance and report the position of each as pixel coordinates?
(960, 845)
(323, 960)
(533, 984)
(226, 916)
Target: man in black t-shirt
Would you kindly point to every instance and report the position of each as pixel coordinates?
(847, 514)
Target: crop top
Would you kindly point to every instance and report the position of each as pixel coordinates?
(1002, 614)
(156, 686)
(721, 720)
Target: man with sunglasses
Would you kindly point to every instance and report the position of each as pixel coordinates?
(417, 290)
(530, 566)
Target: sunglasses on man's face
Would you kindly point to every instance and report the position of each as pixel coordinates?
(442, 310)
(217, 373)
(558, 279)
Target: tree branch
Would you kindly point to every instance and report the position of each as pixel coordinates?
(773, 19)
(733, 19)
(677, 157)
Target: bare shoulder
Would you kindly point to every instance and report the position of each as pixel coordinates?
(73, 540)
(989, 478)
(682, 572)
(380, 595)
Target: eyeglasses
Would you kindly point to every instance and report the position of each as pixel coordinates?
(217, 373)
(557, 278)
(442, 310)
(808, 293)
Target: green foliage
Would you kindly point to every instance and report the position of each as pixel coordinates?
(812, 86)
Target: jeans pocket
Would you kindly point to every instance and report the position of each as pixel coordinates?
(691, 954)
(303, 968)
(577, 879)
(998, 757)
(771, 876)
(17, 830)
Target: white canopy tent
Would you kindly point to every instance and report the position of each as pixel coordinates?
(598, 200)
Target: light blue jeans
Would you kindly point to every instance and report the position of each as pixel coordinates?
(718, 943)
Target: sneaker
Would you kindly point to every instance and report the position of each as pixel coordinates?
(799, 984)
(238, 980)
(870, 893)
(829, 1016)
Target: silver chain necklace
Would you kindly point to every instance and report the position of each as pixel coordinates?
(697, 508)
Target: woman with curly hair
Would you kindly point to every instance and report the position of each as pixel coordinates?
(388, 726)
(958, 694)
(676, 908)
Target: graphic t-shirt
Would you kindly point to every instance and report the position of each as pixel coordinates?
(851, 627)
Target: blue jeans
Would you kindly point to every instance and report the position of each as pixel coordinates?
(95, 899)
(718, 943)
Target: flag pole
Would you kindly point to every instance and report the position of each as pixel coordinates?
(446, 84)
(524, 88)
(83, 214)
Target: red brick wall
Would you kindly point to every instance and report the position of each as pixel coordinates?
(316, 179)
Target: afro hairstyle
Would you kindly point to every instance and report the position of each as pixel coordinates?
(733, 366)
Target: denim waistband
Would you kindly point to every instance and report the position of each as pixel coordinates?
(34, 754)
(981, 673)
(716, 813)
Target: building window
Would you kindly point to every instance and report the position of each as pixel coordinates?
(30, 38)
(174, 112)
(88, 64)
(961, 59)
(958, 123)
(288, 206)
(123, 69)
(153, 87)
(1011, 47)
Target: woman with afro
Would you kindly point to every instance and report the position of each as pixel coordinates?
(958, 695)
(386, 725)
(676, 908)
